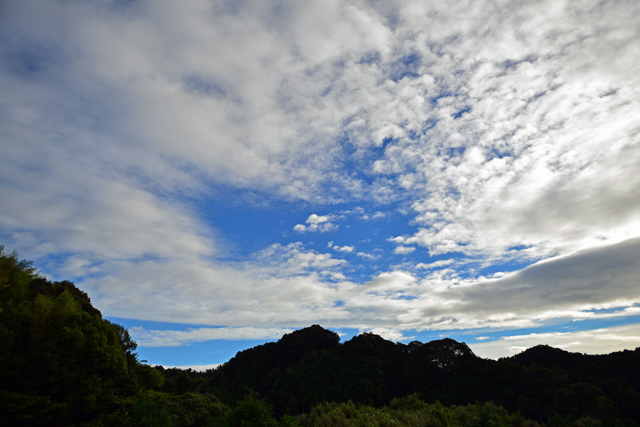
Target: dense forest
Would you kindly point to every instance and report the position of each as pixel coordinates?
(62, 364)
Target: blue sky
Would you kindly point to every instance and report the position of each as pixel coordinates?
(216, 174)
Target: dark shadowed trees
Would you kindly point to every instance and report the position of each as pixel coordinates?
(60, 362)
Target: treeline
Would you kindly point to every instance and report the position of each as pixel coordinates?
(62, 364)
(310, 366)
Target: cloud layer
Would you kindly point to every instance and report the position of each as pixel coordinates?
(493, 134)
(293, 287)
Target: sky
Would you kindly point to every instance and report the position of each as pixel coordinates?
(215, 174)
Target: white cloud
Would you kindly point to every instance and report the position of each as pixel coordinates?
(387, 282)
(168, 338)
(315, 219)
(86, 211)
(366, 255)
(533, 178)
(595, 341)
(403, 250)
(288, 286)
(263, 111)
(570, 287)
(388, 334)
(347, 249)
(572, 344)
(435, 264)
(376, 215)
(360, 212)
(289, 293)
(294, 258)
(317, 223)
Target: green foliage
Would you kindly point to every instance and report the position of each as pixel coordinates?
(151, 410)
(195, 409)
(180, 381)
(250, 412)
(411, 411)
(60, 362)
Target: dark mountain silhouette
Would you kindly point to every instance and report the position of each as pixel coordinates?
(310, 366)
(544, 355)
(259, 367)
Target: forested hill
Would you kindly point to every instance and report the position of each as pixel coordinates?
(309, 366)
(62, 364)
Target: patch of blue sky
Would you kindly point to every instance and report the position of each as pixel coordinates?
(369, 236)
(413, 134)
(460, 112)
(199, 353)
(345, 333)
(405, 297)
(428, 125)
(372, 227)
(194, 353)
(379, 150)
(452, 153)
(609, 310)
(499, 152)
(604, 322)
(407, 66)
(355, 161)
(252, 228)
(246, 228)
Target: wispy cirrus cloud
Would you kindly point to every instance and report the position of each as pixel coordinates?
(435, 264)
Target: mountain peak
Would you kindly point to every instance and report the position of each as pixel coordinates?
(545, 355)
(307, 340)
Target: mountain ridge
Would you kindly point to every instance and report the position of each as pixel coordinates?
(297, 372)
